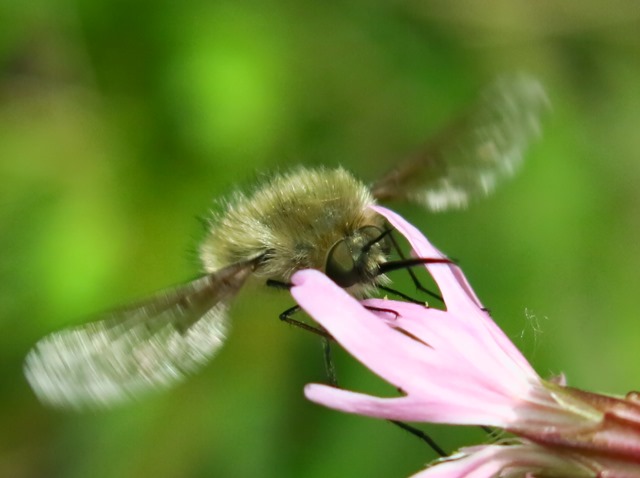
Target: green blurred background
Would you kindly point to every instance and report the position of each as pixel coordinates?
(121, 121)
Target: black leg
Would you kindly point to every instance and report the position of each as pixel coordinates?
(329, 365)
(286, 317)
(330, 368)
(420, 434)
(276, 284)
(326, 337)
(414, 431)
(489, 431)
(414, 278)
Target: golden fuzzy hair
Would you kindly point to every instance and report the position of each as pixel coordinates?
(293, 220)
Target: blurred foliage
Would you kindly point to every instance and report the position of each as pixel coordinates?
(121, 121)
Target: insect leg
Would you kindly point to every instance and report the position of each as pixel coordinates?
(326, 337)
(414, 278)
(276, 284)
(329, 365)
(421, 435)
(330, 368)
(286, 317)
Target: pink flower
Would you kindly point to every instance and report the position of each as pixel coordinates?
(456, 366)
(516, 460)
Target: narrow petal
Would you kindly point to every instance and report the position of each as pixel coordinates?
(457, 410)
(400, 408)
(455, 366)
(457, 293)
(454, 288)
(442, 380)
(362, 333)
(462, 342)
(512, 460)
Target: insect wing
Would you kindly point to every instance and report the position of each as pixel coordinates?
(134, 350)
(470, 156)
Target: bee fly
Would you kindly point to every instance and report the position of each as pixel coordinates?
(308, 218)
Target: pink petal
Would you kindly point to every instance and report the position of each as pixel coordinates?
(498, 460)
(454, 287)
(443, 383)
(460, 410)
(457, 293)
(400, 408)
(358, 330)
(456, 366)
(464, 344)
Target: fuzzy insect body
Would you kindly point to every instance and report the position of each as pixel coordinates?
(306, 218)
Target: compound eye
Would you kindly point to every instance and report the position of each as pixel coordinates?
(340, 266)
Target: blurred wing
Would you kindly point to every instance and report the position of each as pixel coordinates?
(149, 346)
(471, 155)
